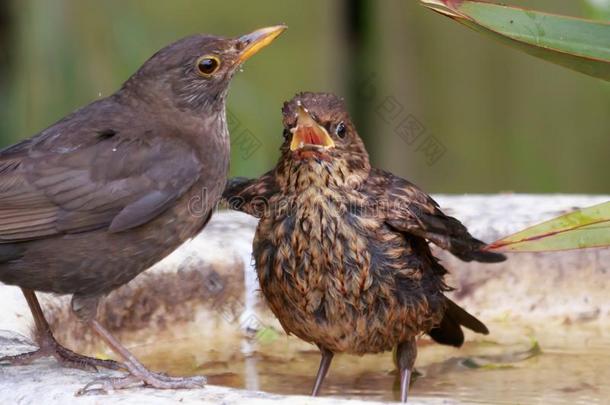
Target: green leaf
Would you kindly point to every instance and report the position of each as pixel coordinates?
(584, 228)
(578, 44)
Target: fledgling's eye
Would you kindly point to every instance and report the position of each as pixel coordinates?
(341, 130)
(286, 133)
(207, 65)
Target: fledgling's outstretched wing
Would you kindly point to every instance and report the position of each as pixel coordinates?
(408, 209)
(251, 196)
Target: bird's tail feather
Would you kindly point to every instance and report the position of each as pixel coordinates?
(449, 331)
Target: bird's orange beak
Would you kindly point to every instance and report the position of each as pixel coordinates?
(257, 40)
(308, 132)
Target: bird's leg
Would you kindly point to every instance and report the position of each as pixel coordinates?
(327, 357)
(48, 346)
(406, 353)
(138, 373)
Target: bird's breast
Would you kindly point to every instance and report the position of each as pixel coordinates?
(314, 249)
(336, 275)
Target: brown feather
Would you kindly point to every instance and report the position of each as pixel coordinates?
(345, 262)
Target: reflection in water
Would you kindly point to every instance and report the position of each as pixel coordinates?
(573, 366)
(248, 319)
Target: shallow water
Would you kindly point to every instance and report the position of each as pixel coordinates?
(558, 365)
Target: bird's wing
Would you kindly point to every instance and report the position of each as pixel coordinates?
(251, 196)
(408, 209)
(113, 180)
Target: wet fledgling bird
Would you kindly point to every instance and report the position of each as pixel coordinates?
(342, 249)
(97, 198)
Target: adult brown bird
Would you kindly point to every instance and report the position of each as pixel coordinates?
(341, 248)
(100, 196)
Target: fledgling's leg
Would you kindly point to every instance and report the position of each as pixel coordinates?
(86, 309)
(48, 346)
(406, 352)
(327, 357)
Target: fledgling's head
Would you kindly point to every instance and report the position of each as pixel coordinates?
(319, 137)
(195, 72)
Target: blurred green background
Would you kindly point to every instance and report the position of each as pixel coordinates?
(496, 119)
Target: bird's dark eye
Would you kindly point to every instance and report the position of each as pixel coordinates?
(207, 65)
(286, 133)
(341, 130)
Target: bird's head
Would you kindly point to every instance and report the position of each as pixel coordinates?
(195, 72)
(319, 136)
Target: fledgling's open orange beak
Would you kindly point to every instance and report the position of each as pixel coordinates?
(308, 132)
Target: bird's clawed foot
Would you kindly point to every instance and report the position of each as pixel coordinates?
(143, 378)
(138, 373)
(49, 347)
